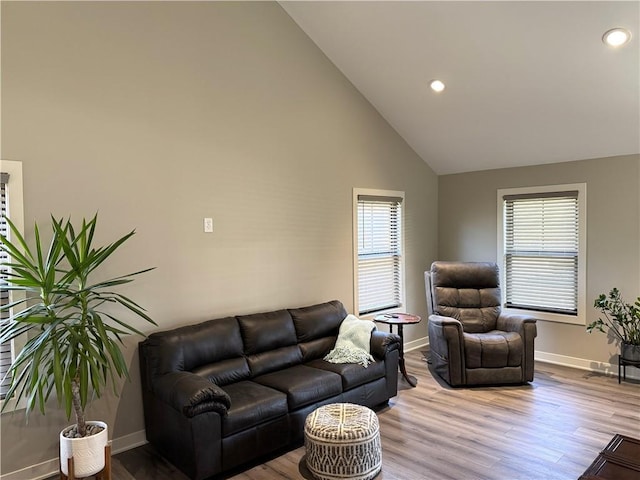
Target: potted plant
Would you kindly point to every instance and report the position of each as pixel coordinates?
(622, 320)
(74, 330)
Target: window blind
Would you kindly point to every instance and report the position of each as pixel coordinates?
(5, 348)
(379, 255)
(541, 251)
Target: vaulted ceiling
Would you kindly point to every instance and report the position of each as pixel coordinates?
(526, 82)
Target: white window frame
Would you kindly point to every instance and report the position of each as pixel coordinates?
(356, 301)
(16, 214)
(580, 318)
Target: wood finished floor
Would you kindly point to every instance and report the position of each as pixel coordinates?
(551, 429)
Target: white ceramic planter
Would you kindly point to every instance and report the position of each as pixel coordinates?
(87, 452)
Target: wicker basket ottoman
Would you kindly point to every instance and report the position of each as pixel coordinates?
(343, 441)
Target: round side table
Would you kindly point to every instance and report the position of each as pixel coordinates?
(400, 320)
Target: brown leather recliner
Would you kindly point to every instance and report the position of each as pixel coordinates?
(471, 341)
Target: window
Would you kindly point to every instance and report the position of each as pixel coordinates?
(378, 260)
(11, 206)
(5, 349)
(541, 247)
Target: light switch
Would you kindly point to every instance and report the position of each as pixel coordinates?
(208, 225)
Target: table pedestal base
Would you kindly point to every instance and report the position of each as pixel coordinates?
(399, 320)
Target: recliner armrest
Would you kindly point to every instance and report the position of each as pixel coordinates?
(452, 332)
(191, 394)
(450, 326)
(526, 327)
(383, 342)
(442, 320)
(512, 322)
(446, 346)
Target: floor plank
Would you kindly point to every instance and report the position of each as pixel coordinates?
(550, 429)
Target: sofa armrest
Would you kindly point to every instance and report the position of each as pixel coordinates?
(383, 342)
(191, 394)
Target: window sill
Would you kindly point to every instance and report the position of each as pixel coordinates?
(547, 316)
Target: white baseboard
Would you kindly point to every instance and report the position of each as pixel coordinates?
(34, 472)
(50, 467)
(127, 442)
(415, 344)
(585, 364)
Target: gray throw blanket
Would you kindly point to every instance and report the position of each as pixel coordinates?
(352, 345)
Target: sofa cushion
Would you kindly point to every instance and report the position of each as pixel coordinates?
(272, 360)
(189, 347)
(317, 348)
(318, 320)
(303, 385)
(226, 371)
(352, 374)
(251, 404)
(494, 349)
(267, 331)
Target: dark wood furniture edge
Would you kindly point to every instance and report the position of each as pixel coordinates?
(609, 455)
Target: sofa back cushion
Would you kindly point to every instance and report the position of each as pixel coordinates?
(317, 348)
(269, 341)
(273, 360)
(318, 321)
(191, 347)
(225, 372)
(231, 349)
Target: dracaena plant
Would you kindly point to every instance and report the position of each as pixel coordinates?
(72, 322)
(620, 318)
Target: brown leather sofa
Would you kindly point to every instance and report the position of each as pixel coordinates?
(471, 341)
(228, 391)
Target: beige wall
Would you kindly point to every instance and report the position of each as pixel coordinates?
(468, 231)
(159, 114)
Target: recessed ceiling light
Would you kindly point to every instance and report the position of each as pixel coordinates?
(616, 37)
(437, 86)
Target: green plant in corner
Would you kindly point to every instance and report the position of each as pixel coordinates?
(620, 318)
(73, 325)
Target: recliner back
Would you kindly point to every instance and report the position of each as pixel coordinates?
(468, 292)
